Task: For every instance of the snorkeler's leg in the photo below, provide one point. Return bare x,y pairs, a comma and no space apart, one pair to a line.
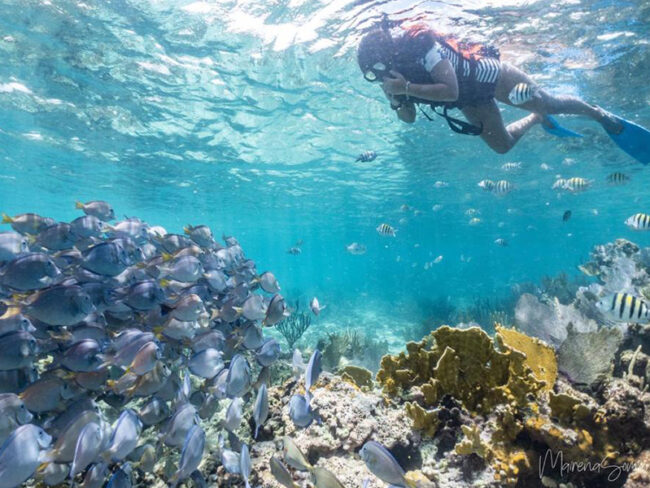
499,137
547,104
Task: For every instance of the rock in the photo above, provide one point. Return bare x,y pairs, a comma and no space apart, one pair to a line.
640,475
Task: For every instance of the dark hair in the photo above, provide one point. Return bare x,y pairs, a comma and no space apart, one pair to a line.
376,46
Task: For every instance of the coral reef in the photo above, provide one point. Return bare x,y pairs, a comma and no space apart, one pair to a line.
356,375
464,364
517,413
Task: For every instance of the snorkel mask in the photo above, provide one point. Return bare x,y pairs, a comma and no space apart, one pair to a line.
376,53
377,72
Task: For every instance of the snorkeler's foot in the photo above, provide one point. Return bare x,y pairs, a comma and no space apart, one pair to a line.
609,121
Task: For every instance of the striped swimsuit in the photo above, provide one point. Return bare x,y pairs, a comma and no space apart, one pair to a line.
477,73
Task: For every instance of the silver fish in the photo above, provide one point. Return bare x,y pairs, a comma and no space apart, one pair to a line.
27,223
106,258
201,234
141,296
82,356
87,449
21,454
269,282
28,272
126,433
145,359
189,308
234,414
260,408
276,311
206,363
191,455
315,307
59,305
238,381
313,371
179,425
300,411
254,308
245,464
17,350
281,473
11,245
86,226
154,412
230,461
12,414
294,456
383,465
216,280
95,476
97,208
57,237
145,456
324,478
45,395
178,330
185,268
211,339
268,353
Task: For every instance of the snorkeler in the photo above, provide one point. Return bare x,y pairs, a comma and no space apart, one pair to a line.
423,67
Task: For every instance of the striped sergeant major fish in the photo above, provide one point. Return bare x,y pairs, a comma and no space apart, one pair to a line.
386,230
487,185
511,166
624,307
617,179
502,187
638,221
576,184
523,93
366,156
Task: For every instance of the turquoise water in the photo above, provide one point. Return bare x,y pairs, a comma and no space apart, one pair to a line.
248,116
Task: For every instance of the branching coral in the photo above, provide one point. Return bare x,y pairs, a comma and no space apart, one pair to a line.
464,364
293,327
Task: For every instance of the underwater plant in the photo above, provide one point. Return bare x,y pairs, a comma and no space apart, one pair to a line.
293,327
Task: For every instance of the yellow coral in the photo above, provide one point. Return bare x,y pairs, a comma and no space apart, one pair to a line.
356,375
424,420
462,363
540,357
472,443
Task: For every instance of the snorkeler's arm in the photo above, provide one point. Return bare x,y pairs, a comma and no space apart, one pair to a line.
444,88
406,112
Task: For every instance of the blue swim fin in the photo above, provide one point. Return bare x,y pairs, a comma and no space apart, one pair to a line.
558,130
634,140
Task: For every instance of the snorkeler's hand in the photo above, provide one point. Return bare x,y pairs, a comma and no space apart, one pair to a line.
395,85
